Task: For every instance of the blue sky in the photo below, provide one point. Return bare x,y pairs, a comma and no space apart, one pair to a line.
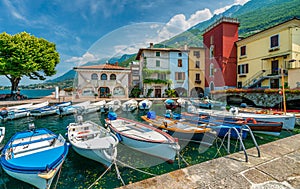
82,28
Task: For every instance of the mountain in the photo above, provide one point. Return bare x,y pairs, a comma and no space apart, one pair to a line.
124,60
254,16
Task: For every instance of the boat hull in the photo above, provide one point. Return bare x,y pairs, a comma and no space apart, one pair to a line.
167,152
32,178
98,155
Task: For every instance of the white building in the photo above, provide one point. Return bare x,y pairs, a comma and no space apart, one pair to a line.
163,68
104,80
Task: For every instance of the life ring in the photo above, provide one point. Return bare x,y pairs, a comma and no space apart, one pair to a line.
250,119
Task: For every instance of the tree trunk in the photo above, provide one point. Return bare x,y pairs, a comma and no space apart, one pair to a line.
14,83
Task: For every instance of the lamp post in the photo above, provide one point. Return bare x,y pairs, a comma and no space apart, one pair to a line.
283,90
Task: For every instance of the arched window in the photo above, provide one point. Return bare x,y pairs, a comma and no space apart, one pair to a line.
118,91
103,77
112,77
94,76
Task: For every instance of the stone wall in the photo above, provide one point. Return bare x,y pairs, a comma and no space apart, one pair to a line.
260,99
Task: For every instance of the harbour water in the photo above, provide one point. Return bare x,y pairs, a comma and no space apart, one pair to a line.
32,93
79,172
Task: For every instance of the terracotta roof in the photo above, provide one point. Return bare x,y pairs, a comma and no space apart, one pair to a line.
103,67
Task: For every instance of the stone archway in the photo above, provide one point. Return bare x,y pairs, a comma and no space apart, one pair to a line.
197,92
181,92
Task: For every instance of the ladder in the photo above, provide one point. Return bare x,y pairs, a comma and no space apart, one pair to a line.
244,128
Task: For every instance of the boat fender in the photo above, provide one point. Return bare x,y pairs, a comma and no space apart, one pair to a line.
251,119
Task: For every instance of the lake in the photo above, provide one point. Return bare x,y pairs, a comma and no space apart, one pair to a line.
32,93
80,172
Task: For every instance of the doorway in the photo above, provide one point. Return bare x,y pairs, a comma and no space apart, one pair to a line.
103,92
157,93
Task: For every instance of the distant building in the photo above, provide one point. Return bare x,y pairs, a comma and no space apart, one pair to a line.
103,80
164,68
220,57
264,56
196,71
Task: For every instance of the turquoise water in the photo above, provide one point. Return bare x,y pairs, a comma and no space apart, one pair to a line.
79,172
32,93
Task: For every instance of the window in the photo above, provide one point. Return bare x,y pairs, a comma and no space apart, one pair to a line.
243,51
243,69
179,76
180,54
103,77
211,69
197,54
179,62
157,63
112,77
197,78
161,76
197,64
94,76
211,52
118,91
157,53
275,41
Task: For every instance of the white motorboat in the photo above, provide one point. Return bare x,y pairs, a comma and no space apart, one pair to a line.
144,138
287,119
129,105
145,104
93,141
113,105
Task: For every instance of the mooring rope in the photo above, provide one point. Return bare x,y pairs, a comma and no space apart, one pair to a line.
58,174
100,176
135,168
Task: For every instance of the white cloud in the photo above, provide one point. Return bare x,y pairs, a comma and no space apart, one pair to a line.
87,57
13,10
236,2
179,23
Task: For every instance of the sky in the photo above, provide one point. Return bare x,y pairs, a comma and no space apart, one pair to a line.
87,30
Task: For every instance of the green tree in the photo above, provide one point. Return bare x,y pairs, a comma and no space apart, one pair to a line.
23,54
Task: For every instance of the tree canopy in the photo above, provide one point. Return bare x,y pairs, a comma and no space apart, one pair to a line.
23,54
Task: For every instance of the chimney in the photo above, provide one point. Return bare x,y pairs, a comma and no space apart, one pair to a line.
117,63
151,45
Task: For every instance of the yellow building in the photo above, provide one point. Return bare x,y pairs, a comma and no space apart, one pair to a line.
196,71
267,55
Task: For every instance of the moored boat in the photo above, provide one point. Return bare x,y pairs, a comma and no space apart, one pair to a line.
144,138
2,134
34,156
182,130
264,127
170,104
113,105
129,105
48,110
92,141
145,104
